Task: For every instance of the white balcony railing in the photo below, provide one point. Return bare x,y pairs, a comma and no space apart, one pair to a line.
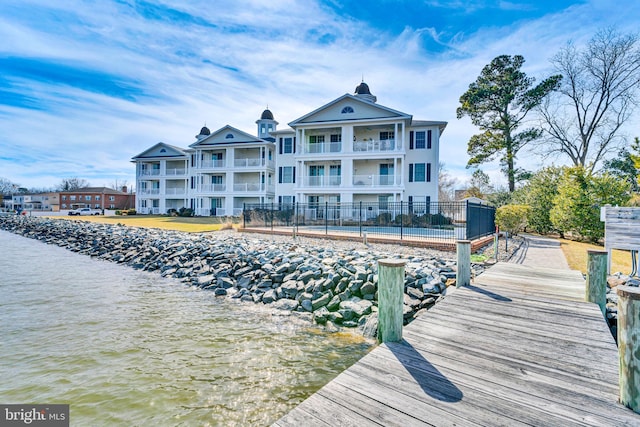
373,180
374,146
175,191
150,172
212,188
323,181
176,171
247,187
149,191
247,163
213,164
323,147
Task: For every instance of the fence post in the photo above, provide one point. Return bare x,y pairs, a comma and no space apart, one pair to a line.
360,218
296,219
401,220
629,345
390,299
364,238
463,274
244,215
326,218
596,289
271,216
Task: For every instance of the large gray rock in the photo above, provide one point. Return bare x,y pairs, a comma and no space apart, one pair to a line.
285,304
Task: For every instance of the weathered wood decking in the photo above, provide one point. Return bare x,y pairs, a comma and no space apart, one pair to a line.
518,347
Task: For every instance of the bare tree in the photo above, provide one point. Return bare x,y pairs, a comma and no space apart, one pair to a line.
70,184
7,187
118,184
583,118
446,184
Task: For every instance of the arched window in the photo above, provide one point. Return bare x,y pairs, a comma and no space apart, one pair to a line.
229,136
163,151
347,110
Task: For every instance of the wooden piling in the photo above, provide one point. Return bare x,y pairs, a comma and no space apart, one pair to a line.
596,289
463,274
390,299
629,345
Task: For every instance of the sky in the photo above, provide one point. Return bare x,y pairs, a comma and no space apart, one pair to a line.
87,85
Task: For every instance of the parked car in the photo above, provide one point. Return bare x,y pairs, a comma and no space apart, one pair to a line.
85,211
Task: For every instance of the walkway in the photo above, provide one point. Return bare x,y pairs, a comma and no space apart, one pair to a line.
538,251
518,347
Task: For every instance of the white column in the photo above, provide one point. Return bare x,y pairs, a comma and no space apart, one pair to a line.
347,139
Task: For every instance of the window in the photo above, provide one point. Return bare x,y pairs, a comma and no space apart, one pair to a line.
316,139
286,200
347,110
87,198
337,137
97,205
216,179
64,205
163,151
286,174
97,197
383,202
112,198
286,145
385,135
64,198
112,206
420,140
72,198
417,172
229,136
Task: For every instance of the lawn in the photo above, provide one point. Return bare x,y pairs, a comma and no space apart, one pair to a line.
576,255
188,224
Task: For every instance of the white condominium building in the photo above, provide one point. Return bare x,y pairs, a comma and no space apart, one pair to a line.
350,150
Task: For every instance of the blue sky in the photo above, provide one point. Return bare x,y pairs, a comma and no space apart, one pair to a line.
86,85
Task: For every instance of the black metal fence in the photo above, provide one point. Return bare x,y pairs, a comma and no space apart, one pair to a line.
440,221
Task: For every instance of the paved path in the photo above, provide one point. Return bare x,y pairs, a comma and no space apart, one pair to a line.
539,251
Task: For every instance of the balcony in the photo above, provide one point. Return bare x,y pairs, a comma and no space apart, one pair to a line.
322,181
373,146
212,188
213,164
175,191
149,191
150,172
373,180
176,171
253,163
323,147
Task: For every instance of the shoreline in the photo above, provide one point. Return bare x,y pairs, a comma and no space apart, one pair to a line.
331,283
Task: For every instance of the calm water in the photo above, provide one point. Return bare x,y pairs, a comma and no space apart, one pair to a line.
124,347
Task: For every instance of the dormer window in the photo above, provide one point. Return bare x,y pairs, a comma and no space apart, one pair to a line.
347,110
229,136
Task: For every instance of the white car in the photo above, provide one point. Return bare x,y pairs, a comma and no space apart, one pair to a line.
84,211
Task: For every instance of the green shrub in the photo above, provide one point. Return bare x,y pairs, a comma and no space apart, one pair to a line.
131,212
185,212
512,218
118,212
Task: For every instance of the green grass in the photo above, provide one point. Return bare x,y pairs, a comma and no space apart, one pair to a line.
478,258
187,224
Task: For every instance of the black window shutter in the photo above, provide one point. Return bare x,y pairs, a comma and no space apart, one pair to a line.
410,172
294,174
429,139
428,199
280,152
279,200
280,175
294,144
428,172
411,140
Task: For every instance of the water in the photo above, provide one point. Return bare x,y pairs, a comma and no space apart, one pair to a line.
125,347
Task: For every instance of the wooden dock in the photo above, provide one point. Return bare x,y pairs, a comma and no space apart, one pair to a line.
517,347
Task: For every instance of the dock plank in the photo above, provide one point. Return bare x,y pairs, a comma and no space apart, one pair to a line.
518,347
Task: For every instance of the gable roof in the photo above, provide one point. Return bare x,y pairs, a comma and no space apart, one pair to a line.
361,109
160,150
228,135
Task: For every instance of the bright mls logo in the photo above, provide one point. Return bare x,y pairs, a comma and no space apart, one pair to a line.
34,415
